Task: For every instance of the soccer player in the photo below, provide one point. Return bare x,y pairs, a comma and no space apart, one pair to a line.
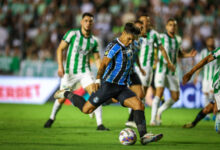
216,80
81,45
208,72
115,74
135,84
149,41
205,111
165,77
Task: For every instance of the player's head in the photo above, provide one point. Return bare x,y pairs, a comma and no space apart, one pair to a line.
87,21
210,42
138,24
129,33
146,21
171,26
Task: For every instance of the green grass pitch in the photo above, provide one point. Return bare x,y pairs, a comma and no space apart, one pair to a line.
21,128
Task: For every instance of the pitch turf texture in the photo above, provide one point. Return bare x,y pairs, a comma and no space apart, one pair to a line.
21,127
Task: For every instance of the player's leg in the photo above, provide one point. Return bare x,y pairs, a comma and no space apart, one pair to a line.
207,110
66,82
217,120
139,117
167,104
160,80
136,87
89,85
128,99
173,85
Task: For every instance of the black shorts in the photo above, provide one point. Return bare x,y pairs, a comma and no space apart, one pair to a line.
110,90
135,80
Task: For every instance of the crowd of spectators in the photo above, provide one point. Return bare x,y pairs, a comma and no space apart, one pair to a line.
32,29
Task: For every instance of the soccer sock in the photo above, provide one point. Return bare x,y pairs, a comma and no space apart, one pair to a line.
199,117
154,108
98,115
131,115
55,109
167,104
76,100
139,118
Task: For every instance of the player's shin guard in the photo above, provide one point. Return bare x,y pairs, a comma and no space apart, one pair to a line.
165,106
56,107
76,100
139,118
98,115
199,117
154,108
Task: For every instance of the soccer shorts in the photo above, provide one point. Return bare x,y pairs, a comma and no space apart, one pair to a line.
135,80
147,79
108,91
169,81
73,81
207,86
217,99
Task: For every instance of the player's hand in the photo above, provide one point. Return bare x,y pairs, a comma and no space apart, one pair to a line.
60,72
142,72
186,77
193,53
171,67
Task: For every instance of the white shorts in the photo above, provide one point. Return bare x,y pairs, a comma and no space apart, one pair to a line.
207,86
169,81
73,81
147,79
217,99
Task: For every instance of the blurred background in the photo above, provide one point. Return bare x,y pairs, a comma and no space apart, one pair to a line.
32,29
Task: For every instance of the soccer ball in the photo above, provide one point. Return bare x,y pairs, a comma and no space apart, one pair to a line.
127,136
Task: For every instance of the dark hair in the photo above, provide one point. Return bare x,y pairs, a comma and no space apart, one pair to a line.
87,14
170,19
130,28
144,15
138,21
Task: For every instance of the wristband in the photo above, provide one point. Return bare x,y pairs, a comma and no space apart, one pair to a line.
98,81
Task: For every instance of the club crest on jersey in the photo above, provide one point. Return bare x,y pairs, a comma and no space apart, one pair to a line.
96,99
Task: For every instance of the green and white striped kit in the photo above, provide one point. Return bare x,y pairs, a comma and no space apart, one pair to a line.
79,51
216,78
148,44
172,47
208,71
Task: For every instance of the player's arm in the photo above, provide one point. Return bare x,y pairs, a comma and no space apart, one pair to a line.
139,66
62,46
164,53
97,59
101,70
183,54
203,62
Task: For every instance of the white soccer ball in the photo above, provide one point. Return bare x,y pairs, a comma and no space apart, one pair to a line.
127,136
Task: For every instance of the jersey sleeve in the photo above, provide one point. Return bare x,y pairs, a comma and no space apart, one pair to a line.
67,37
111,50
216,53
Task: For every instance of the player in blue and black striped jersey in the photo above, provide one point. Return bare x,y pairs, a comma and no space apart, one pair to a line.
114,72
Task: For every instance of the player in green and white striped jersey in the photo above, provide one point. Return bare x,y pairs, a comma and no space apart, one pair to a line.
164,76
148,42
81,45
216,80
207,72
